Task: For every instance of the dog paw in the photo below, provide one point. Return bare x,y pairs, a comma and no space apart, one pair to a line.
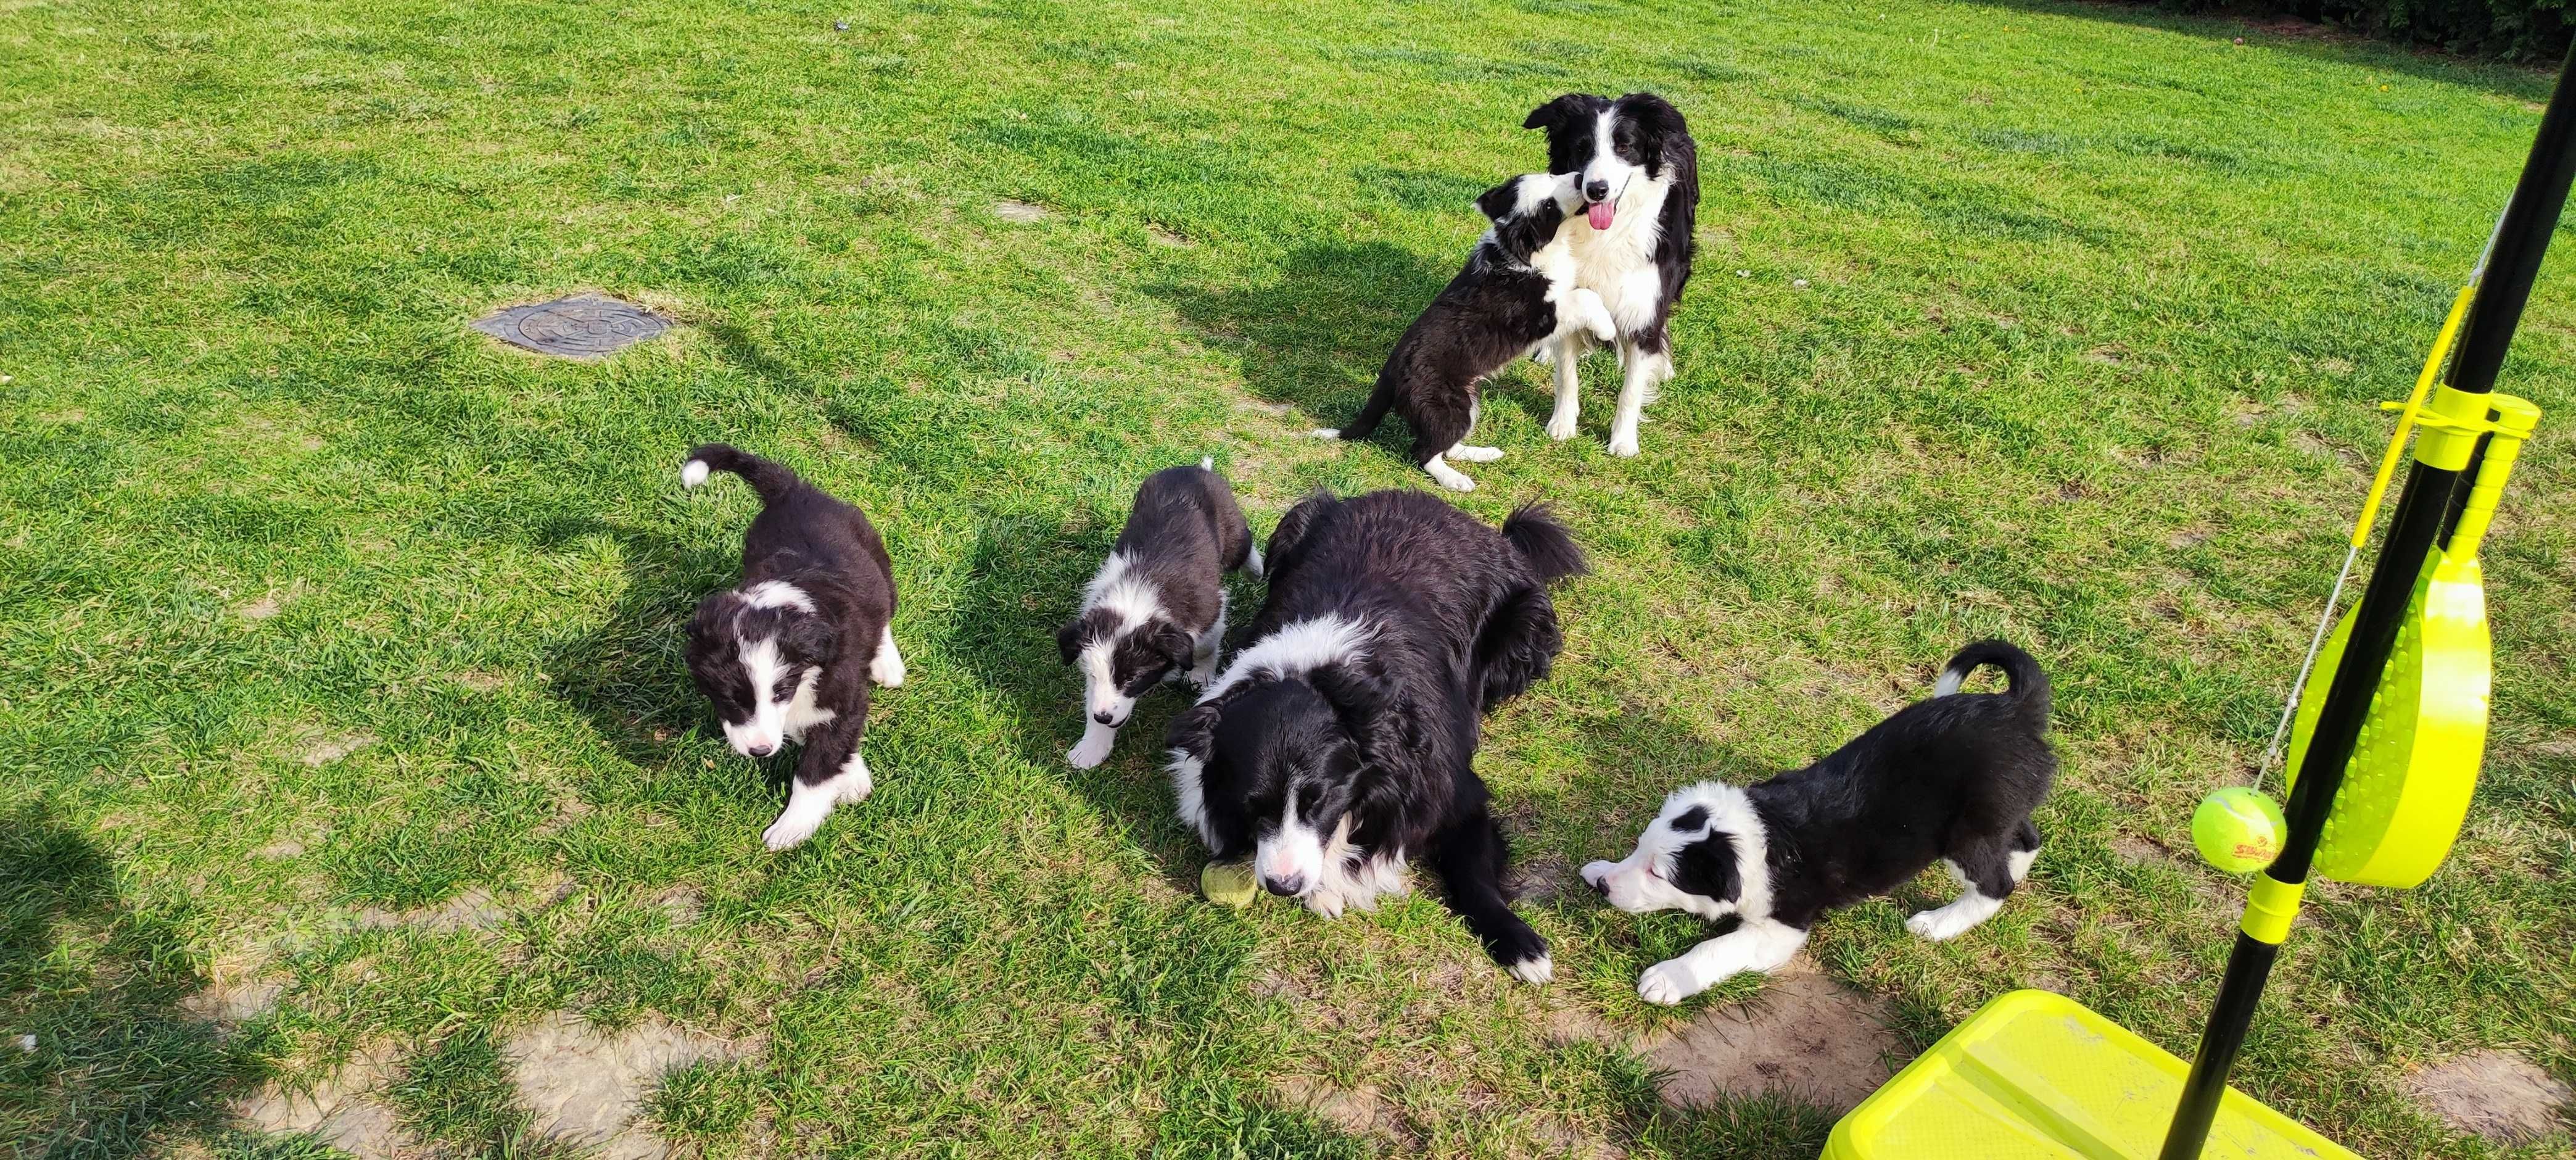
1666,983
1937,925
1537,971
1092,750
1204,675
1325,433
887,673
1449,477
1544,356
1623,447
1476,454
1326,904
1560,427
791,829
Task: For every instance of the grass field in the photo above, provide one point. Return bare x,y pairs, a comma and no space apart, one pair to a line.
339,652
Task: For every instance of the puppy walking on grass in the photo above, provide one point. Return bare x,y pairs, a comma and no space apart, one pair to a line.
787,655
1156,608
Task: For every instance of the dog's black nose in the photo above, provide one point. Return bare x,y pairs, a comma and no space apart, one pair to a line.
1105,717
1601,888
1596,190
1284,887
760,750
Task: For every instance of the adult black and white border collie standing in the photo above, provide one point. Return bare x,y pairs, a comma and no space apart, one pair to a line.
1342,740
1637,170
787,654
1515,296
1157,606
1951,779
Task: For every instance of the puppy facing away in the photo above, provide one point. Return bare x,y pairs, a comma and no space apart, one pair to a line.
1515,296
1637,169
1341,742
1157,605
1950,779
787,655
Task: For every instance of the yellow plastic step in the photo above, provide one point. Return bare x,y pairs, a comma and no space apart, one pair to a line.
2037,1076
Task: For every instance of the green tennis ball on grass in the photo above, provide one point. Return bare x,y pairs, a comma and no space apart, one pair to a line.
2239,829
1227,883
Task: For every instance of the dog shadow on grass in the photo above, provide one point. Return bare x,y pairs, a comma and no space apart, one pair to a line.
630,674
1313,335
116,1066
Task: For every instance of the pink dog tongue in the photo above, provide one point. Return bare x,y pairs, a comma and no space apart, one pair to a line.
1600,213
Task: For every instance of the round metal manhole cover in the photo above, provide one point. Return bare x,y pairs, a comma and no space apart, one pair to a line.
583,326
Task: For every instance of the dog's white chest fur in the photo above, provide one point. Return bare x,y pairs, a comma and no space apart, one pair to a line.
1619,263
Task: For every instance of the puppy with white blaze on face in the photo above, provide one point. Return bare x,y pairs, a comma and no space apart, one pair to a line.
787,655
1952,779
1341,741
1156,608
1636,170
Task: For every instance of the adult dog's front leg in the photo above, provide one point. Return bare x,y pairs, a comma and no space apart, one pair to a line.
1758,945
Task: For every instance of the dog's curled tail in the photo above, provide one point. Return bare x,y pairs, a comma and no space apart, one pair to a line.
1534,532
771,480
2023,681
1371,413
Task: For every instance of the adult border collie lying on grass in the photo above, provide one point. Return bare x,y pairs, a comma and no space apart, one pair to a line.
1342,740
1951,779
1515,295
1157,605
1637,170
780,655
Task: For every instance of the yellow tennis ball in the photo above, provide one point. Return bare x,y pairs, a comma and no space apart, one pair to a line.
1227,883
2239,829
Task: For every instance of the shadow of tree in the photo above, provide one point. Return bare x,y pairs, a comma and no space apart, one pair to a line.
117,1068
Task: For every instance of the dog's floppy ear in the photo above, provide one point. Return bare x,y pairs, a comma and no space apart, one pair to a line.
1194,732
1372,709
1658,124
1292,529
1556,113
1172,643
1068,639
811,637
1707,868
1499,202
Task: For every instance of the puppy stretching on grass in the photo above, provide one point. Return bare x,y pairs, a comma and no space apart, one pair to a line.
1951,779
780,654
1157,605
1516,295
1342,741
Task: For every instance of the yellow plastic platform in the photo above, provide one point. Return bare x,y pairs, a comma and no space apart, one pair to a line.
2041,1076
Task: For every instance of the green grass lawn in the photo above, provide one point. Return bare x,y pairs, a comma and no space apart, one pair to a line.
2064,323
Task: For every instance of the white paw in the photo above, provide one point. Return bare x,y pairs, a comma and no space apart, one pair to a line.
1449,477
1666,983
1094,747
1325,903
1623,447
792,828
886,672
1938,925
1604,329
1204,675
1326,432
1560,427
1544,356
1539,970
1476,454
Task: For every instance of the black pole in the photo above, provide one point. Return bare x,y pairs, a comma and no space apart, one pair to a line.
2522,238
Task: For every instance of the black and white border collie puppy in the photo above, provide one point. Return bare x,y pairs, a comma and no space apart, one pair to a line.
1951,779
1157,605
1637,169
1341,742
1515,297
779,654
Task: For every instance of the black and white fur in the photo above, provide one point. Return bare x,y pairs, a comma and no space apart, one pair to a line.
1514,297
1950,779
1156,608
1637,170
1341,741
780,655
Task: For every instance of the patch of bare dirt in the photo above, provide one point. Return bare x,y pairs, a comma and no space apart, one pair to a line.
234,1001
2498,1095
474,909
343,1110
1165,237
322,749
1805,1036
1358,1111
583,1087
1019,211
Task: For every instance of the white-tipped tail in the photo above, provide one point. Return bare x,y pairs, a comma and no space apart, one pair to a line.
1326,432
693,473
1950,681
1207,463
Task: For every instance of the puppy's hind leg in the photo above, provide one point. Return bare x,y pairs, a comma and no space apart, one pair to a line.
1758,945
1472,860
1985,870
1465,454
886,667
